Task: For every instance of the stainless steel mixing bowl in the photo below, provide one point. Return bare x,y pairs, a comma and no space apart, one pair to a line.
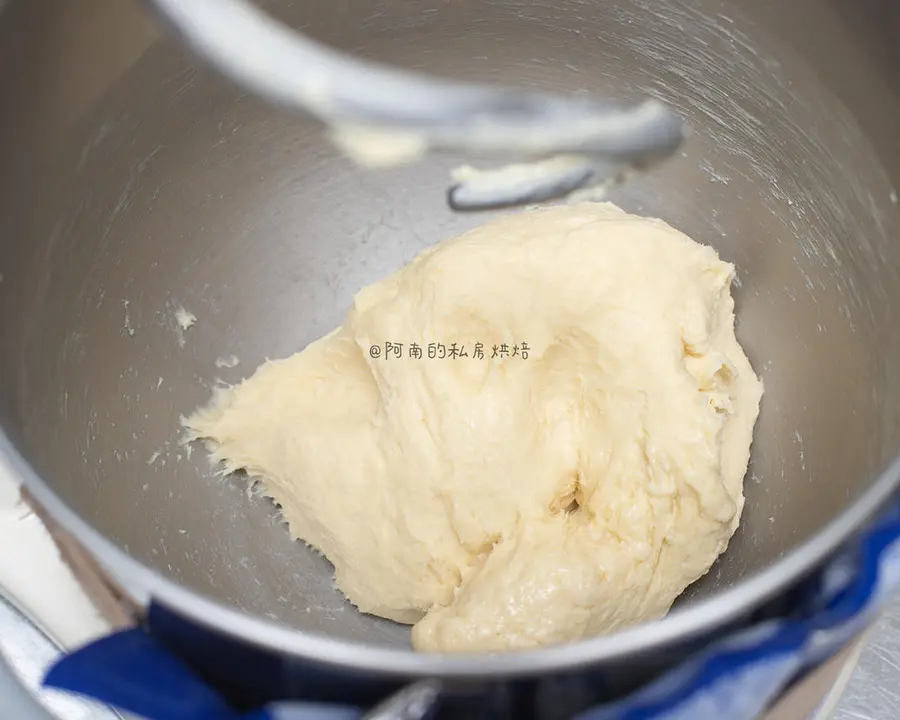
134,183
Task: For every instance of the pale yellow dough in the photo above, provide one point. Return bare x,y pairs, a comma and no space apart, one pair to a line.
501,504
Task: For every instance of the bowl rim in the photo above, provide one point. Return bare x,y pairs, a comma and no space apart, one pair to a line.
701,618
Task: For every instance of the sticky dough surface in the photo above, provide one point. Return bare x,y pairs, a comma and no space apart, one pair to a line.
502,503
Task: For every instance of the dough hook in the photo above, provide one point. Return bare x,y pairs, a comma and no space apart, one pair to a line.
380,115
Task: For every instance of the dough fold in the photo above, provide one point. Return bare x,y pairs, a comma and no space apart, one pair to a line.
574,486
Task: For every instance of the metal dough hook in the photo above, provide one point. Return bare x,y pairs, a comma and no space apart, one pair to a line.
380,115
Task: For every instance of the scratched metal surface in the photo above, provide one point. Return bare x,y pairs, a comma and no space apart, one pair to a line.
873,692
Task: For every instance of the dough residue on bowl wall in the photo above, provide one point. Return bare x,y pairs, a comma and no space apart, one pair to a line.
533,433
227,362
184,318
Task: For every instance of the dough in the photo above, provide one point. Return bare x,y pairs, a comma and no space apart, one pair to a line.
575,486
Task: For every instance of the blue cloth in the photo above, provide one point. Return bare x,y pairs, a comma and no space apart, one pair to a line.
737,677
131,671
